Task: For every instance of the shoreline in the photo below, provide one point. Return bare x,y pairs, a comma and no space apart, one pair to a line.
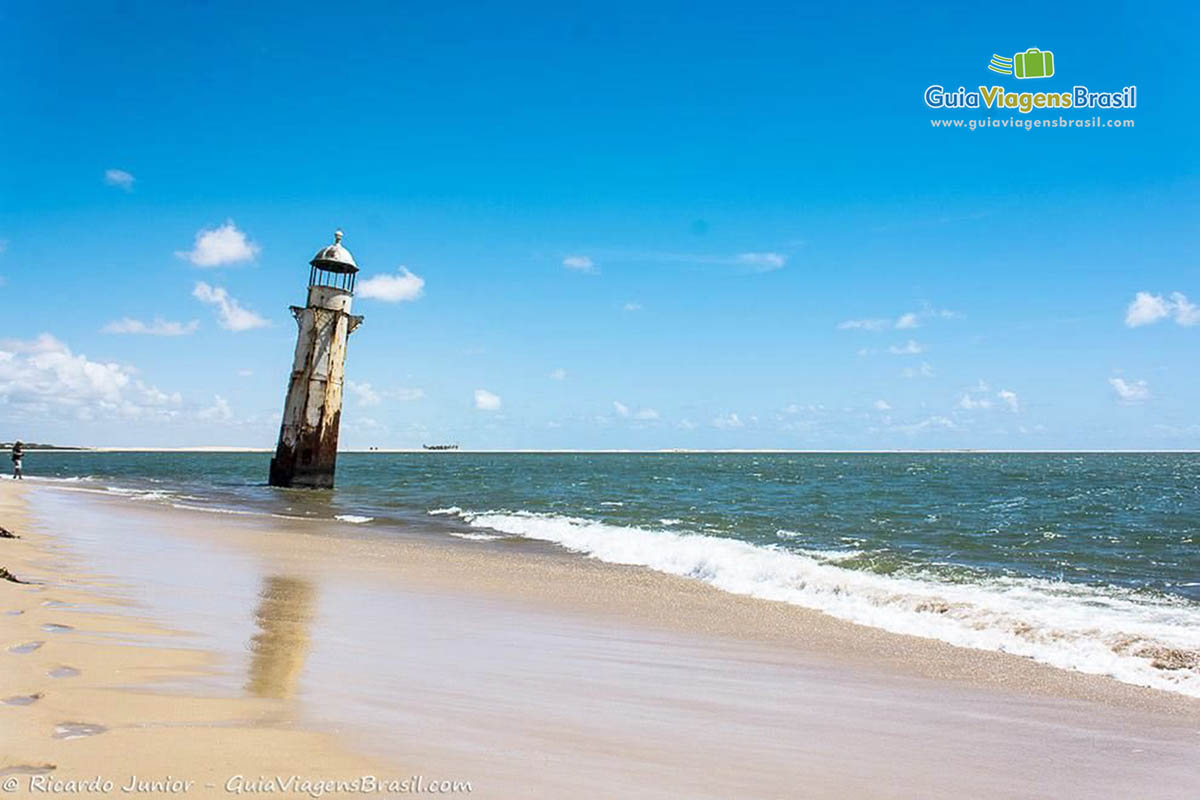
1070,625
469,625
90,682
538,574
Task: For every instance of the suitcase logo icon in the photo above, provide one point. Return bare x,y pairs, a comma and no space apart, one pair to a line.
1033,63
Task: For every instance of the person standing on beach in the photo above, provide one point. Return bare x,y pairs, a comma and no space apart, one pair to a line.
18,451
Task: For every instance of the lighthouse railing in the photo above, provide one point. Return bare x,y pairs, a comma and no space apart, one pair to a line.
343,281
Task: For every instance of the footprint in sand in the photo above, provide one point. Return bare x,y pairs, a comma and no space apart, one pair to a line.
77,730
63,672
54,627
57,604
16,612
28,769
22,699
28,647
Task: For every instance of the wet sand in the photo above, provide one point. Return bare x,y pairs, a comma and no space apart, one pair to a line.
207,645
85,686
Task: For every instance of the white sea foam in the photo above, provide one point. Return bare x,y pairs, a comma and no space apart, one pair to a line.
51,479
73,485
1108,632
139,494
452,511
355,518
832,556
826,556
477,537
215,510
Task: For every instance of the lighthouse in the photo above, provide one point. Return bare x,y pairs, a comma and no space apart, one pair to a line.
308,436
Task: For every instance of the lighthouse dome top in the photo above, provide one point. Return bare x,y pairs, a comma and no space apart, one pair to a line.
334,257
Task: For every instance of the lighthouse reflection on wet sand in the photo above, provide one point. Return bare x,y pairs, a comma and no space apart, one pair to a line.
306,455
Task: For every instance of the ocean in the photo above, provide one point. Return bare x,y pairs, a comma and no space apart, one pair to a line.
1083,561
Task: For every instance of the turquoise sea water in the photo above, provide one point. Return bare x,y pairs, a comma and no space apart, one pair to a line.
1085,561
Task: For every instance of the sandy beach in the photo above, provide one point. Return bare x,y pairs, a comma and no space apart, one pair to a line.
156,642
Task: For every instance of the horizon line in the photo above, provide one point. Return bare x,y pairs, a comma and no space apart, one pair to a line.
629,451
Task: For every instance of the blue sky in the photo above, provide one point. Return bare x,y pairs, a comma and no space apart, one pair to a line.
641,226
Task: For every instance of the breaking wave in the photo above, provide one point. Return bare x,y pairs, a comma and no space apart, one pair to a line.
1133,637
452,511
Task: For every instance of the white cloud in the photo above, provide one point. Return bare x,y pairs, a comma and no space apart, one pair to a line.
368,426
216,247
1130,392
579,264
923,371
728,421
1186,313
559,374
626,412
1147,309
904,322
219,411
970,403
755,261
486,401
363,393
42,377
796,408
1010,399
159,327
909,348
367,395
120,178
401,287
864,324
230,314
633,307
762,262
245,373
929,423
882,405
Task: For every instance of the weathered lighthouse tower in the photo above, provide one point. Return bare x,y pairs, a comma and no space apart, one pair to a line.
307,451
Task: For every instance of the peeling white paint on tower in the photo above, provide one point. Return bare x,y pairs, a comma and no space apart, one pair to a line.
306,455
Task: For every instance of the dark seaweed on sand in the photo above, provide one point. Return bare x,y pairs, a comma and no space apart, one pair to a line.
5,533
8,576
